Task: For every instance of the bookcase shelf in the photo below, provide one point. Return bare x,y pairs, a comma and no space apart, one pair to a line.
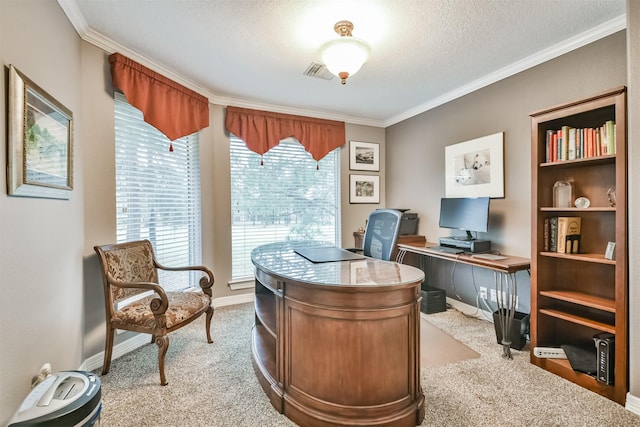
599,258
581,298
576,296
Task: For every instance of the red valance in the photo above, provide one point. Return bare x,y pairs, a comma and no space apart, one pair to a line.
166,105
263,130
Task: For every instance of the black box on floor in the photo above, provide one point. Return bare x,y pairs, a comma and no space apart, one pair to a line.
519,329
434,300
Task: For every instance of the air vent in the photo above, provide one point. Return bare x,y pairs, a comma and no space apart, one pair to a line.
318,70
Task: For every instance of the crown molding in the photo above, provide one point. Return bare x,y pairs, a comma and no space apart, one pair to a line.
93,37
606,29
110,46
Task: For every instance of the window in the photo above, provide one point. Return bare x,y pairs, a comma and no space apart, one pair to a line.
289,197
158,193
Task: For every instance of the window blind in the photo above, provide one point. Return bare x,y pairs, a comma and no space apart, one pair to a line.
158,193
289,197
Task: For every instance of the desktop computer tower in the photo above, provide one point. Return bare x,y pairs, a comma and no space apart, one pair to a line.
605,347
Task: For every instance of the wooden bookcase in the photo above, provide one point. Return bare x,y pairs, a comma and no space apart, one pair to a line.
575,296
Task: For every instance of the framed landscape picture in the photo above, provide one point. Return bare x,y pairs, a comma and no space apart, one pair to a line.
364,189
39,143
364,156
475,168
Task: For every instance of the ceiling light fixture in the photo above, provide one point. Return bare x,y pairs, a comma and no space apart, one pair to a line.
345,55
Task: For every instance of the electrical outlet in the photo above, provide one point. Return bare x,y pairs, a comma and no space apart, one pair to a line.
503,297
483,293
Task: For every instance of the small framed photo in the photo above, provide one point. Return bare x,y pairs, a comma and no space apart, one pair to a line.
610,252
39,143
364,189
364,156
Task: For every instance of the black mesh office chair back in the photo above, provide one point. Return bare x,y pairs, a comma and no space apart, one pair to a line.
381,234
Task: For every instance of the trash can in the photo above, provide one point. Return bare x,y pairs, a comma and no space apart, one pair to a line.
434,300
519,329
66,398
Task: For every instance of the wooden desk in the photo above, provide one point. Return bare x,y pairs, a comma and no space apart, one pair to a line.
504,273
338,343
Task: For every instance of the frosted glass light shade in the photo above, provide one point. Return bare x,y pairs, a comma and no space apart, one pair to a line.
344,56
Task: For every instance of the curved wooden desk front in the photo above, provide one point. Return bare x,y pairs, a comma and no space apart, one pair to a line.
338,343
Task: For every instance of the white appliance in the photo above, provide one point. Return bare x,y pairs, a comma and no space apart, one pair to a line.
66,398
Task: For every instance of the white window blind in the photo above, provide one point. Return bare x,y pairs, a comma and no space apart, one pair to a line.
158,193
289,197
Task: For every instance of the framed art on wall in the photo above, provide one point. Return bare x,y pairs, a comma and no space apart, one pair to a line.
475,168
364,156
39,143
364,189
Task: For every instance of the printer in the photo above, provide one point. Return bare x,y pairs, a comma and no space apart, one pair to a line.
408,222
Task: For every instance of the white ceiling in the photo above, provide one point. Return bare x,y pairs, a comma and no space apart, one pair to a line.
252,53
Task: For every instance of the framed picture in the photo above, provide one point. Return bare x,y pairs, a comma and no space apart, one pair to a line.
364,156
364,189
40,141
475,168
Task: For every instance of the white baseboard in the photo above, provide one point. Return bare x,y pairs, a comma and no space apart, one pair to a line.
470,310
94,362
633,404
233,300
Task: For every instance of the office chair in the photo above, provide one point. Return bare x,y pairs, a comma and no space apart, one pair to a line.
381,234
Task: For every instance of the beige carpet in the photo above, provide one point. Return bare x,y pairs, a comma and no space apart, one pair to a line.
214,385
439,348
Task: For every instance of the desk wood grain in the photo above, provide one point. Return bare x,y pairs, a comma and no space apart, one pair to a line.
510,264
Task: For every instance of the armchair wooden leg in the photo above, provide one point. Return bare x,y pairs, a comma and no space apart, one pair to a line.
163,345
208,323
108,349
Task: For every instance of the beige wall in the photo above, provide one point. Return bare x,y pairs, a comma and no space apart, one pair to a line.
41,240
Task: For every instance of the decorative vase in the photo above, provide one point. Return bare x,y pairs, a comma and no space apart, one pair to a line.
562,194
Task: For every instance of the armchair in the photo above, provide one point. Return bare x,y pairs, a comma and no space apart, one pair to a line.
131,269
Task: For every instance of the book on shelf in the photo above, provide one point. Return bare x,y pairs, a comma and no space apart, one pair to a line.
568,234
553,234
569,143
562,234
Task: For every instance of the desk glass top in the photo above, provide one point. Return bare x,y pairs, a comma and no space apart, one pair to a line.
280,259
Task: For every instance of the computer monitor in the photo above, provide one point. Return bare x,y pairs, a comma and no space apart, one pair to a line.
465,213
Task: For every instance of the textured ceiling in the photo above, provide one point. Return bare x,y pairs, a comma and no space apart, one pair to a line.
253,53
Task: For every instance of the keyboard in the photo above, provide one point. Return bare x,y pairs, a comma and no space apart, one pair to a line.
447,250
491,257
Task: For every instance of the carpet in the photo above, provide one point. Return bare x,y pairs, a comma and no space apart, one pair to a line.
439,348
214,385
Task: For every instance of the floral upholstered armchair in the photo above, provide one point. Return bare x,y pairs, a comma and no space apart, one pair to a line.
131,269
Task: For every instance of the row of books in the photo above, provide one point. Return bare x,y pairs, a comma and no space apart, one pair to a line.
570,143
562,234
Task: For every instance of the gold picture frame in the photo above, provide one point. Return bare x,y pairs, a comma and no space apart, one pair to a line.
40,141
